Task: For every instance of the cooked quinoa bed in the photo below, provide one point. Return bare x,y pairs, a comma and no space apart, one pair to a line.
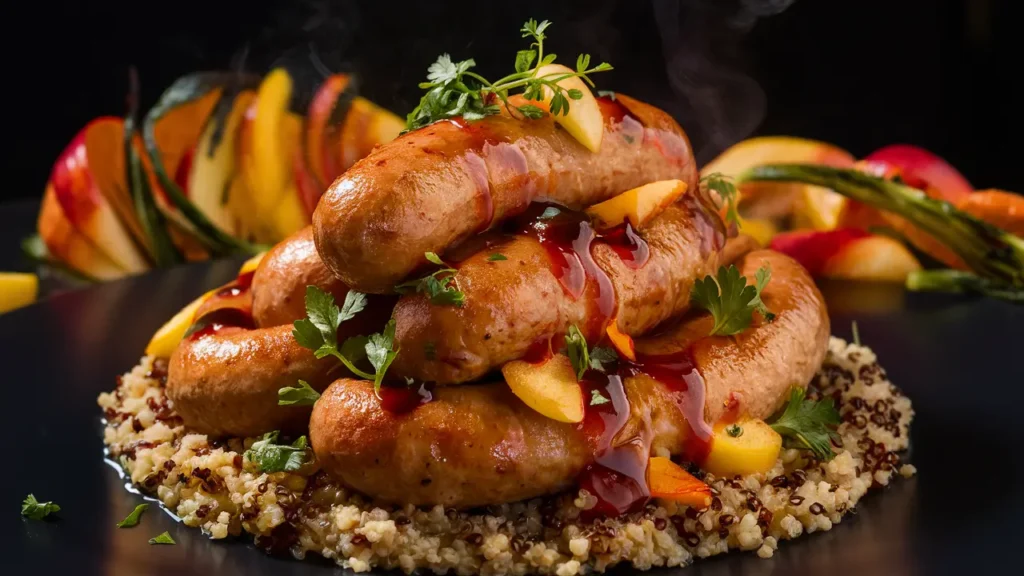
208,484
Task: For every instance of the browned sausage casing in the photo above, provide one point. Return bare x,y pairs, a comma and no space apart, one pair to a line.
226,383
511,304
479,445
430,189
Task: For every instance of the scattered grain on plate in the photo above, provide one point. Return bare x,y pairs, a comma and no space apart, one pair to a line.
206,485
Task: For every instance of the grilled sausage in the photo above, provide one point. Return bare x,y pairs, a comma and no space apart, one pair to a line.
225,383
480,445
430,189
510,305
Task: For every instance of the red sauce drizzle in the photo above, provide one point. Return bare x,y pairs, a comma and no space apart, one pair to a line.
403,399
630,247
618,475
228,307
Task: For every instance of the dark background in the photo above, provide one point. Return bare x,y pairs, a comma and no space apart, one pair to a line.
861,74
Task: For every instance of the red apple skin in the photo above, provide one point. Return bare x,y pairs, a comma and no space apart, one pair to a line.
813,248
922,169
73,185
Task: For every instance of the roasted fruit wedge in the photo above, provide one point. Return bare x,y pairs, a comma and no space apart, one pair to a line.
66,244
848,253
89,164
668,481
549,387
17,290
809,206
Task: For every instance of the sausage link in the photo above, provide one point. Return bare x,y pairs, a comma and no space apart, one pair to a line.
479,445
512,304
432,188
226,383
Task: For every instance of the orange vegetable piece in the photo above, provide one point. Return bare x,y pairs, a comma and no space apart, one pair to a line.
1002,209
670,482
622,342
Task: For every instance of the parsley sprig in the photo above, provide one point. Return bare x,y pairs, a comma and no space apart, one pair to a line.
319,333
36,510
731,300
726,190
269,456
301,395
584,358
453,89
440,286
808,424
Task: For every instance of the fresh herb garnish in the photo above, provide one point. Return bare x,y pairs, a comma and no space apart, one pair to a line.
576,347
734,430
856,333
301,395
319,333
496,257
726,190
808,424
453,89
596,398
133,518
164,538
269,456
441,286
36,510
600,356
731,300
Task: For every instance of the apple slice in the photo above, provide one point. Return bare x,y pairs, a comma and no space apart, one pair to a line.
848,253
668,481
212,167
584,119
17,290
638,205
327,99
550,387
872,259
924,170
76,181
70,247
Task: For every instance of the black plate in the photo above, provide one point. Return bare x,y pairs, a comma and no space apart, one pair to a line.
959,360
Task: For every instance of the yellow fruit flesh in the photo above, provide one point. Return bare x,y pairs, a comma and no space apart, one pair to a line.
251,264
17,290
584,119
549,388
170,334
754,450
874,259
638,205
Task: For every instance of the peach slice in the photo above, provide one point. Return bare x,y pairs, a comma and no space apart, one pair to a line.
668,481
77,188
550,387
167,338
212,171
744,447
67,245
584,120
622,343
17,290
639,205
811,206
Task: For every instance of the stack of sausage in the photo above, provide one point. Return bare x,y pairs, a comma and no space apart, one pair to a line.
468,191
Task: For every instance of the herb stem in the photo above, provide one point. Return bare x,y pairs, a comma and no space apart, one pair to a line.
351,367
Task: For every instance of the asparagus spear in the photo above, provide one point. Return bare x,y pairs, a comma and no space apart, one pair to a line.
995,256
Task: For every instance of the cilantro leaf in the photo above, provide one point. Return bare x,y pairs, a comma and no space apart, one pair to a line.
269,456
730,300
576,346
133,518
355,302
381,353
596,398
600,356
301,395
323,313
761,279
36,510
726,191
496,257
808,424
307,335
164,538
354,348
319,330
443,70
